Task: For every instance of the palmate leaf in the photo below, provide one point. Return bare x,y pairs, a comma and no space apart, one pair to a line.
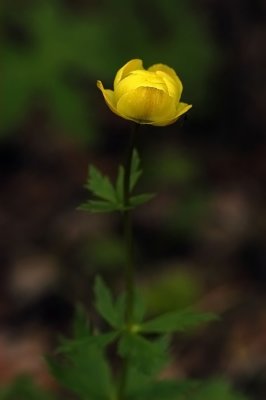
114,311
100,340
135,173
139,309
82,367
111,198
82,335
85,372
100,185
104,302
176,321
145,355
140,199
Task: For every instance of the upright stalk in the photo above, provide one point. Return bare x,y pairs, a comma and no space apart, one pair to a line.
129,258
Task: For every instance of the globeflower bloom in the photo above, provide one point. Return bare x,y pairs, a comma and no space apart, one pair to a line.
149,96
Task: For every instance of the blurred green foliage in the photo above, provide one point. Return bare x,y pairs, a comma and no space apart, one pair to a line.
175,167
53,53
24,389
173,290
104,253
182,173
217,389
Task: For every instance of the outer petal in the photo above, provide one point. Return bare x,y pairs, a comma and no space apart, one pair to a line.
139,79
181,109
109,97
173,88
130,66
169,71
145,105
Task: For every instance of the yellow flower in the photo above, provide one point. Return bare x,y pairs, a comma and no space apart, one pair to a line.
146,96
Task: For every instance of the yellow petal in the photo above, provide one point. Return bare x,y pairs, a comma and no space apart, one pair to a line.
181,109
169,71
173,89
109,97
130,66
145,105
139,78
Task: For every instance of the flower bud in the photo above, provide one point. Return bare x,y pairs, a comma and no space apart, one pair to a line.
146,96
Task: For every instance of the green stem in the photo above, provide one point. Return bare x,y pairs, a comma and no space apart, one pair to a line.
129,267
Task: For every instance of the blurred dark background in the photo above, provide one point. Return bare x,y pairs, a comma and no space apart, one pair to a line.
200,242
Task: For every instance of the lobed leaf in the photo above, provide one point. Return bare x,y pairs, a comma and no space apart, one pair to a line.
104,302
146,356
176,321
139,308
100,185
100,340
140,199
96,206
85,372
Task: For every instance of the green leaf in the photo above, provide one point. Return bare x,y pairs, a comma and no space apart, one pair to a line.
176,321
85,372
139,308
141,199
217,389
137,381
166,390
100,185
100,340
147,356
135,173
24,389
97,206
120,308
104,302
82,335
113,197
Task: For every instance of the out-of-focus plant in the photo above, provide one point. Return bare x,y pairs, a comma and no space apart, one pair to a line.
171,289
24,389
50,52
